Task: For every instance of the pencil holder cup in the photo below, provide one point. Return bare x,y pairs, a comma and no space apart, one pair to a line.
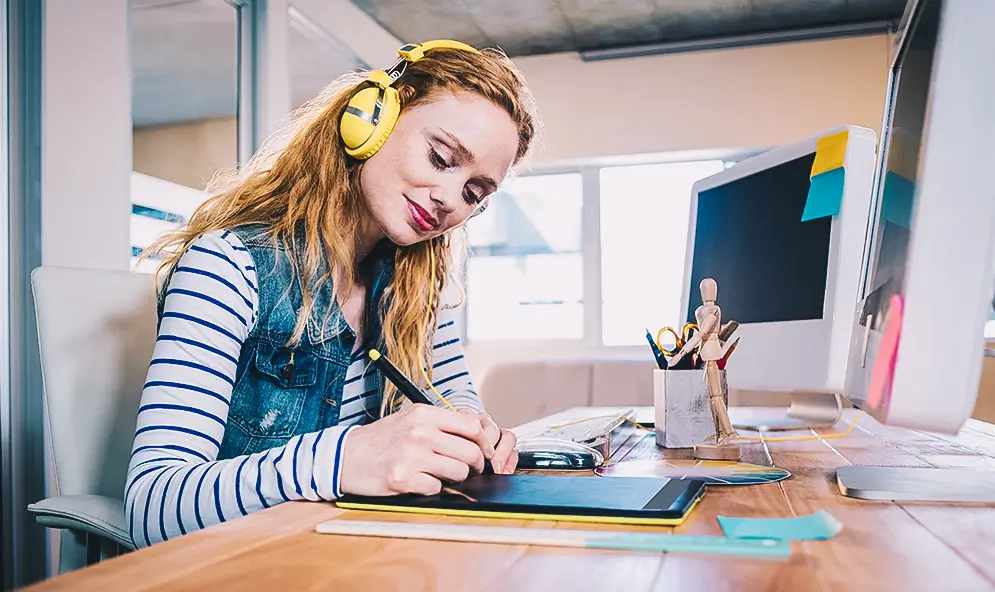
683,413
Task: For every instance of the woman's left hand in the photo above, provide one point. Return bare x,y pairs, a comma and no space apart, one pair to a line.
505,452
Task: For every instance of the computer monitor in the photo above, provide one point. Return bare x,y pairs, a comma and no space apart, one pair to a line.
789,282
933,238
919,328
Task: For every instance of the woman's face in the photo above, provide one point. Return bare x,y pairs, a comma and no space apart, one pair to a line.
442,159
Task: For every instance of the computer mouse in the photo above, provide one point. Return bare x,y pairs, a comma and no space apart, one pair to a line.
556,460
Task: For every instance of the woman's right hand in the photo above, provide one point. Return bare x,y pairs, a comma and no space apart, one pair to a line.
414,451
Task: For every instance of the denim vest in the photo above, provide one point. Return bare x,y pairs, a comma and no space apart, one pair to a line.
281,392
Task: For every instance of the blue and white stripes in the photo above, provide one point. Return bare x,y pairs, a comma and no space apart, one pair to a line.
175,484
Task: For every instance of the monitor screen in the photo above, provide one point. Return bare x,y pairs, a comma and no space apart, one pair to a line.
749,237
897,177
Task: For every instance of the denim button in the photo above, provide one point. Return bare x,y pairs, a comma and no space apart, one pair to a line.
287,371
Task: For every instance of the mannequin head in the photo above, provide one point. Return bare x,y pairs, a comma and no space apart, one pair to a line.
709,290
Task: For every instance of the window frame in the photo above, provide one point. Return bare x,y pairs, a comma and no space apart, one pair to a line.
246,64
590,172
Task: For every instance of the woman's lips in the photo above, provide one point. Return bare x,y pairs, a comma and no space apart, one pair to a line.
422,218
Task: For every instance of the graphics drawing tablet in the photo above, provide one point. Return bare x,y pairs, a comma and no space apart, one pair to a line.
649,501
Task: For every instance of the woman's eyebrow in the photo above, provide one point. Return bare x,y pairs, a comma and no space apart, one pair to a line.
453,142
491,184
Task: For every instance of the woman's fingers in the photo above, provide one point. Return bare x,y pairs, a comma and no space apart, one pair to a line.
458,424
505,454
424,484
491,429
459,449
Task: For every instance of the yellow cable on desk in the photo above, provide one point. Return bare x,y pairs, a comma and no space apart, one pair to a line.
803,438
800,438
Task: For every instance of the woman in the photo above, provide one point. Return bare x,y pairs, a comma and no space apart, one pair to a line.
336,238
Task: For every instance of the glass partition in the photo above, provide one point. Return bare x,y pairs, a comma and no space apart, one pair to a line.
185,98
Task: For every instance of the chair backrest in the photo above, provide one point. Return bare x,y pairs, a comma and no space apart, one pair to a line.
96,331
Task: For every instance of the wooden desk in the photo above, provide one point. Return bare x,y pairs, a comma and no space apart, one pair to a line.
884,546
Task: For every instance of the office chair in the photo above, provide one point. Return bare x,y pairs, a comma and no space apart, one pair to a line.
96,331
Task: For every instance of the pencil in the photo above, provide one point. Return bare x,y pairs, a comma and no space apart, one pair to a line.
725,356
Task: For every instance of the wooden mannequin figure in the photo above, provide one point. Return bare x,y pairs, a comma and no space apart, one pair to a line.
709,317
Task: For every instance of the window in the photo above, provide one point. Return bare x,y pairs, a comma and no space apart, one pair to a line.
157,206
185,104
592,254
644,228
526,271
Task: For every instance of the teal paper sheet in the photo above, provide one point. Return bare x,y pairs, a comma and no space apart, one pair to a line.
818,526
825,195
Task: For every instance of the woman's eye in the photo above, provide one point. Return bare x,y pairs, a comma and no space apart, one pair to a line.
437,160
471,197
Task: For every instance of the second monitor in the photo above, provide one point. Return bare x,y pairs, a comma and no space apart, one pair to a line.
788,276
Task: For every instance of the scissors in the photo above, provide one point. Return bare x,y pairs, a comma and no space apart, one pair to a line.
679,338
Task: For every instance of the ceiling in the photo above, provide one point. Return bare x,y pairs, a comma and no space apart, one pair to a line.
527,27
184,63
184,56
185,60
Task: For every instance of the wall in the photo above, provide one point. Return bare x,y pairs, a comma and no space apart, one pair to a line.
187,153
86,162
750,97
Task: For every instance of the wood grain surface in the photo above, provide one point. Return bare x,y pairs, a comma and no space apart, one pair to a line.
883,545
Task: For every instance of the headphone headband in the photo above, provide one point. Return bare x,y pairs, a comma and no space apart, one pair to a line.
416,51
413,52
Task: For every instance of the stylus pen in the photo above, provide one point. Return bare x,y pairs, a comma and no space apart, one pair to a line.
407,388
402,382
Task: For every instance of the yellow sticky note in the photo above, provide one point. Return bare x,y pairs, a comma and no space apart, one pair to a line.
829,153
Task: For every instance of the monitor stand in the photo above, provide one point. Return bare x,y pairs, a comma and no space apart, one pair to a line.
906,484
807,410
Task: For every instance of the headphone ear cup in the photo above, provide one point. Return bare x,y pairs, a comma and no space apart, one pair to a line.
356,126
361,137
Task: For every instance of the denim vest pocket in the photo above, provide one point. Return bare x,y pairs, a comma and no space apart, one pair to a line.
278,381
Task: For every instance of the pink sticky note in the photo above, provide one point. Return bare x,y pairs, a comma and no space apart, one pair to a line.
879,391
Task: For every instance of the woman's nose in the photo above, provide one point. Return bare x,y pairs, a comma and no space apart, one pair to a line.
439,199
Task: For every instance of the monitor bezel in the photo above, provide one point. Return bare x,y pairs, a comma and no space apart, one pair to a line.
823,366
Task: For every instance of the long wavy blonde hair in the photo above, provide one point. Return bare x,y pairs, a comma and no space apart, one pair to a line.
304,189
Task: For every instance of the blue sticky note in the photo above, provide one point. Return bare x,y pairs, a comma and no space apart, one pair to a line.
820,525
896,199
825,195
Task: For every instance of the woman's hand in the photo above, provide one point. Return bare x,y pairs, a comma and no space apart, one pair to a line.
415,450
504,441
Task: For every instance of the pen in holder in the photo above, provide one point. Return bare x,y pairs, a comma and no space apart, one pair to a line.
680,401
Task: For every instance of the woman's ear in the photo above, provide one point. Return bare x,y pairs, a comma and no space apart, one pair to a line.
405,94
476,212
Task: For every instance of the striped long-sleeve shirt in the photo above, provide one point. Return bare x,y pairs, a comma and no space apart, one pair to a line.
175,482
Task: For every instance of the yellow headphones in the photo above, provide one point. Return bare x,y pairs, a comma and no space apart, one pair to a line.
373,108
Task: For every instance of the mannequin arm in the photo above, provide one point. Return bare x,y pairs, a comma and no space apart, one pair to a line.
692,343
